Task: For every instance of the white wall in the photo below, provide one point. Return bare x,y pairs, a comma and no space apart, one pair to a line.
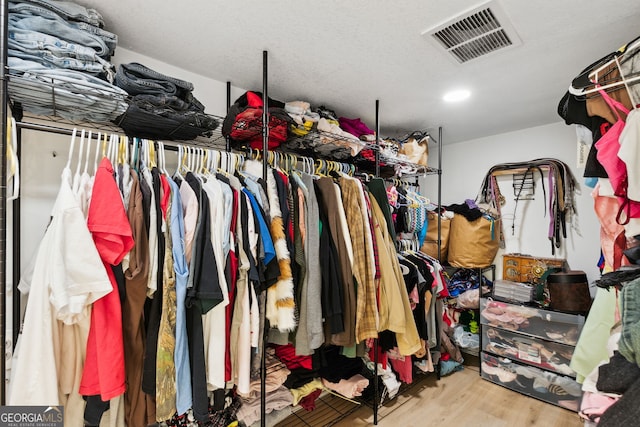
465,164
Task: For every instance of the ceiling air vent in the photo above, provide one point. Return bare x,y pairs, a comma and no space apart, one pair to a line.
475,33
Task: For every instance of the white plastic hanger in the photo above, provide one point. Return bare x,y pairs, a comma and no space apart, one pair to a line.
76,177
86,158
161,159
12,154
629,51
71,147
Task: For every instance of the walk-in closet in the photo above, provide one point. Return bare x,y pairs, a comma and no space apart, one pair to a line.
319,214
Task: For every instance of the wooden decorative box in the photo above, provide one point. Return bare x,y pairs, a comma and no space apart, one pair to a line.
526,268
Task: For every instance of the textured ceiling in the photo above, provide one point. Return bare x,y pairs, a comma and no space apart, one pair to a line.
347,54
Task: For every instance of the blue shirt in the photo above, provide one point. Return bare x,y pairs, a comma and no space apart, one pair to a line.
267,243
181,354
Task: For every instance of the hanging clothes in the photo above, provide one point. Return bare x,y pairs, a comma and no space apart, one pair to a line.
78,280
363,268
104,372
133,329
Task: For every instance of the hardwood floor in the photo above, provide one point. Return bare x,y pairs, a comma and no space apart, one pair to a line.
463,399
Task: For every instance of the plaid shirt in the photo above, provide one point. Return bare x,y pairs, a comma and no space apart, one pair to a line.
374,243
366,307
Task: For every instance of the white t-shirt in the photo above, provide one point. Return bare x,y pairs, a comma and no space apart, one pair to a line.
68,277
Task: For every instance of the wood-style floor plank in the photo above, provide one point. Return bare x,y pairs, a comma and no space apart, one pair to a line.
463,399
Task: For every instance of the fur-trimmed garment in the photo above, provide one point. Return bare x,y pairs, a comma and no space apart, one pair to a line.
281,307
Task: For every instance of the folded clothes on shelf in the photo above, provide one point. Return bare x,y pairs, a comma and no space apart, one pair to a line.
69,94
161,106
61,35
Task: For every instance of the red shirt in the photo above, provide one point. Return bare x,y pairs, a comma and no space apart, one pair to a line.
107,220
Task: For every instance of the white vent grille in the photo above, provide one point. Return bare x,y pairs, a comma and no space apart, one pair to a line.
475,33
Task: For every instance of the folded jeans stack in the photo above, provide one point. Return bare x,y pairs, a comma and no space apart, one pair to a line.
59,61
161,106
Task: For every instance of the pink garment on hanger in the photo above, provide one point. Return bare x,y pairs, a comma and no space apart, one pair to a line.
608,147
612,236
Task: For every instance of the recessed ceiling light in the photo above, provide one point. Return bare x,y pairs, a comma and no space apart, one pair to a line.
456,95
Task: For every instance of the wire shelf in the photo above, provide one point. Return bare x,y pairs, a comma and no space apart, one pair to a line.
37,96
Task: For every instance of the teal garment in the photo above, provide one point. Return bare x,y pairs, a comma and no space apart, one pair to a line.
591,348
629,344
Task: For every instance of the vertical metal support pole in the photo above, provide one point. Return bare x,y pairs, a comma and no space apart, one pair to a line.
15,238
228,145
4,98
375,341
439,193
439,220
265,149
377,150
376,397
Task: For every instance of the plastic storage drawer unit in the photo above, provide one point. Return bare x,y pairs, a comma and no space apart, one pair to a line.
549,325
552,388
544,354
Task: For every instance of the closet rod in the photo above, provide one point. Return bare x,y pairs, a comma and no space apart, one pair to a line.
4,98
168,145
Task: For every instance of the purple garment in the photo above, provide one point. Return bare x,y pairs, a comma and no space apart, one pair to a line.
355,127
471,203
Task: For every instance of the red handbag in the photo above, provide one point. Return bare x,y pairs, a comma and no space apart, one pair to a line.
608,146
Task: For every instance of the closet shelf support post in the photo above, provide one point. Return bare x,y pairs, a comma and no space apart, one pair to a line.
16,251
227,144
265,330
4,11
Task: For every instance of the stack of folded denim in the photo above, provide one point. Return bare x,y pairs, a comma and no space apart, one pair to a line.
59,61
161,107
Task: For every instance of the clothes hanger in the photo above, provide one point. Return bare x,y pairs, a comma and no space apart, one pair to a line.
626,52
134,154
177,173
204,159
95,158
240,159
153,161
111,151
162,158
86,159
123,150
219,162
585,82
12,149
71,147
76,177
